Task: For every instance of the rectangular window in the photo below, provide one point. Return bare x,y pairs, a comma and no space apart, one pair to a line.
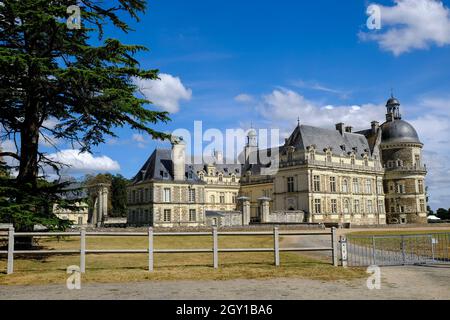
333,206
355,185
192,215
146,195
369,206
80,221
380,187
420,185
368,186
222,198
167,215
356,206
422,205
317,206
380,206
332,184
290,184
134,196
400,188
191,195
166,196
316,180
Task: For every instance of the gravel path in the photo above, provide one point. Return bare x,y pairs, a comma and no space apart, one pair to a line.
424,282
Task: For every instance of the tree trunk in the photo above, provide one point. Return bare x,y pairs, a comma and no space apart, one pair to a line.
29,144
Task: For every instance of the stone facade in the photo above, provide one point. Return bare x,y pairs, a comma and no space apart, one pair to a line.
369,177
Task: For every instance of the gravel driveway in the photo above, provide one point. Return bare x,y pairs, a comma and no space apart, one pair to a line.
416,282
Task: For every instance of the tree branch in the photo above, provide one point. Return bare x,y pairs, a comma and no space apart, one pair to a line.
10,154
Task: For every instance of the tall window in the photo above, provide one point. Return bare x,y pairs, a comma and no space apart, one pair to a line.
222,198
220,177
422,205
191,194
317,206
333,206
417,159
332,184
368,186
290,184
380,187
346,206
212,199
192,215
380,206
356,206
352,159
134,196
329,159
233,178
167,215
345,186
166,195
420,185
355,185
316,180
369,206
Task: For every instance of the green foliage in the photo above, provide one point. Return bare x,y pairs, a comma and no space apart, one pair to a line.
443,213
78,79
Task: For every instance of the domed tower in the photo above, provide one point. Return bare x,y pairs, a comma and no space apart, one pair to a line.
404,181
251,145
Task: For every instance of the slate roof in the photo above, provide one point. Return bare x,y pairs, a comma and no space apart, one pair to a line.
305,136
159,167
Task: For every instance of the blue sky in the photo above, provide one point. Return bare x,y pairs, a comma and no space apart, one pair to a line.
232,63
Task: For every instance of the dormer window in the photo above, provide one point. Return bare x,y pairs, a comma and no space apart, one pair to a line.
220,177
233,178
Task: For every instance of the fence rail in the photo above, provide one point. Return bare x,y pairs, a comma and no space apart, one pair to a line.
151,251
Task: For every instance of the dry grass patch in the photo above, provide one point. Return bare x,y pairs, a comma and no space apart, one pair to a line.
193,266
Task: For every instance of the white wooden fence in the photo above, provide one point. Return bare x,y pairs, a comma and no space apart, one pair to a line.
151,251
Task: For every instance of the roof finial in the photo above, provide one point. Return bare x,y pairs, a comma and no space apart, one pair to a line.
392,92
251,124
298,121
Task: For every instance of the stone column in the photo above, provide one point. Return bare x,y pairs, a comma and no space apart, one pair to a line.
99,208
265,209
245,209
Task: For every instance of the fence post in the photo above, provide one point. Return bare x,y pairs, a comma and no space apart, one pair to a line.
403,250
344,253
83,250
276,245
215,248
333,245
374,254
10,268
150,249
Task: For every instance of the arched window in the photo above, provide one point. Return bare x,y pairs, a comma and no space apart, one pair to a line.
233,178
220,177
346,206
345,186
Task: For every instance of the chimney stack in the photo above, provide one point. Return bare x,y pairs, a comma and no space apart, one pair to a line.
340,127
178,158
375,125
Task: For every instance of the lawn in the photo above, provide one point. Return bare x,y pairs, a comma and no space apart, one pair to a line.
192,266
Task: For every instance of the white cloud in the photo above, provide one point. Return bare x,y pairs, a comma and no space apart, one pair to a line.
412,24
83,162
166,93
244,98
284,106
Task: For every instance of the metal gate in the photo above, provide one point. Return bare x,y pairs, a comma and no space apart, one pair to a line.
391,250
